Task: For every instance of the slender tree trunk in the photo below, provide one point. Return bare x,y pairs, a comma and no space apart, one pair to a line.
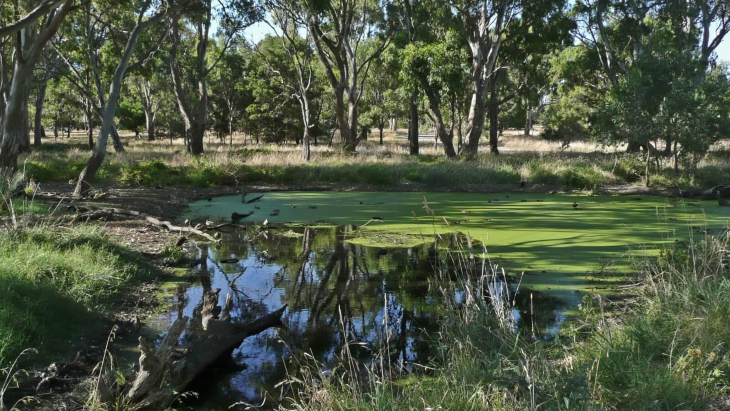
90,133
494,117
413,124
648,162
116,140
149,117
39,100
460,145
528,121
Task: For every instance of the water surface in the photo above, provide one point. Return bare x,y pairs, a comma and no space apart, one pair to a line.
361,265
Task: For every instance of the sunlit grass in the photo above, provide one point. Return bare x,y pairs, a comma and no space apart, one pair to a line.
54,282
584,165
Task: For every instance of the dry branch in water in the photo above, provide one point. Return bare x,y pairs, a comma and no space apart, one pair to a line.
168,370
93,213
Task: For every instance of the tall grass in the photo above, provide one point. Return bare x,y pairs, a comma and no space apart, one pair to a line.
666,349
53,280
149,164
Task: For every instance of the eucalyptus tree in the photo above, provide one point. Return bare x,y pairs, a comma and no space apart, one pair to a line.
274,112
617,42
383,96
229,95
194,25
485,23
145,17
522,71
61,106
287,20
88,46
338,29
439,69
40,22
412,23
40,99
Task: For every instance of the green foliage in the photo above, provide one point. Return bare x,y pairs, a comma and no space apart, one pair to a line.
131,116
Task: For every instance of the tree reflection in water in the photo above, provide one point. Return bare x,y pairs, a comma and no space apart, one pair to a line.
331,287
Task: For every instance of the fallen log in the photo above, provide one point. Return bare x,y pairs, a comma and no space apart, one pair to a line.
236,216
108,212
255,199
721,201
166,372
723,190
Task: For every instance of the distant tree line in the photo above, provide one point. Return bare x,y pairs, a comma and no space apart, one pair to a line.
642,74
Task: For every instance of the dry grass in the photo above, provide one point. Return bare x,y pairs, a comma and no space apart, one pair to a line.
582,165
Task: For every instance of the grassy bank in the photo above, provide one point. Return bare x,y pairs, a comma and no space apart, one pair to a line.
55,284
667,349
149,164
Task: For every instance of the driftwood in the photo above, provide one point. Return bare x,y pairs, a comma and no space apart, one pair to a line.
723,190
236,216
168,370
721,201
255,199
99,212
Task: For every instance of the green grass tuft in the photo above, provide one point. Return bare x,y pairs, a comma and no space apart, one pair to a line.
54,282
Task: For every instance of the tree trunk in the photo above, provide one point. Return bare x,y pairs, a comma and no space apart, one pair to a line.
165,372
382,126
413,124
230,130
196,137
150,124
528,121
475,120
306,151
493,117
15,121
29,47
39,100
90,134
352,123
648,162
442,134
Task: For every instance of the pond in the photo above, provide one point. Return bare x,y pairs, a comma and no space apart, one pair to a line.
357,262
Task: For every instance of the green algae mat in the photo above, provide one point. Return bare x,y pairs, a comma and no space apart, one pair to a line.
561,245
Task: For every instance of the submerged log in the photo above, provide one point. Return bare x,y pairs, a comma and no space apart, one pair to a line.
166,372
236,216
723,190
255,199
721,201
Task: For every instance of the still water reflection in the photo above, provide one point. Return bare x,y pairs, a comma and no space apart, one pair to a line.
333,288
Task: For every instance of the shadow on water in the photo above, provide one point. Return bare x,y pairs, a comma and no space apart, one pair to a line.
332,287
